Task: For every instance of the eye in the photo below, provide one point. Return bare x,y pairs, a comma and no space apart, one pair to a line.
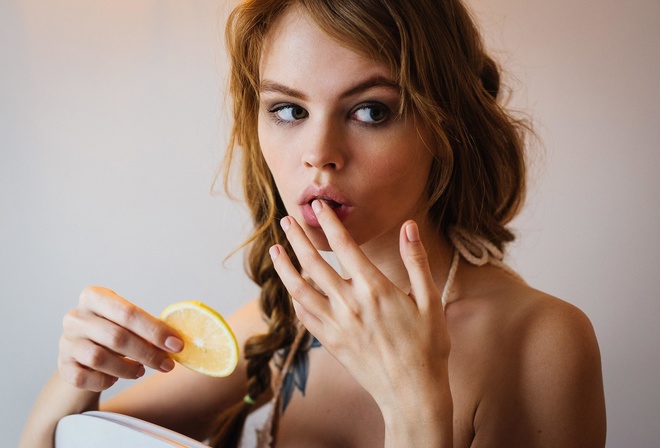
289,113
371,113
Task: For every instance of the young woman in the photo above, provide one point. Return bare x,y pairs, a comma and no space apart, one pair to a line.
371,129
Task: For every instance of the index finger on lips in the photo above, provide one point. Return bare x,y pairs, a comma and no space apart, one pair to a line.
342,243
106,304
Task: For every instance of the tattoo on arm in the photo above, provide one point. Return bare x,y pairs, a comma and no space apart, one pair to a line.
296,377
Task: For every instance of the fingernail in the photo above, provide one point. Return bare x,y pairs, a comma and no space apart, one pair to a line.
174,344
285,223
412,232
166,365
317,206
274,251
141,371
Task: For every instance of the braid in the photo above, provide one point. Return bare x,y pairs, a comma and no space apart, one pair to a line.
278,312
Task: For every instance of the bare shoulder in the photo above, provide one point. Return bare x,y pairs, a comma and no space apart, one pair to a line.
549,390
554,329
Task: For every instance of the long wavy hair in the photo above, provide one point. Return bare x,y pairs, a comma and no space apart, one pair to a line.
436,54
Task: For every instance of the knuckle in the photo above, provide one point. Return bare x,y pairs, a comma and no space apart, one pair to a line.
126,313
69,320
88,294
299,290
418,258
374,288
155,331
308,258
94,357
151,357
333,342
73,374
85,294
118,337
78,378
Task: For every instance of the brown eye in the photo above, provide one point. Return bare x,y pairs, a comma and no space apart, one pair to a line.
371,114
298,113
289,113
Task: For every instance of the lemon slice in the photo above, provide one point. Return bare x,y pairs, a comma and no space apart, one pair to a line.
210,346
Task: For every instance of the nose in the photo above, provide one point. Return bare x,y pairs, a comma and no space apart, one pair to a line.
325,148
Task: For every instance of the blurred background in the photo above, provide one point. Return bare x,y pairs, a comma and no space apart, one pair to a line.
113,123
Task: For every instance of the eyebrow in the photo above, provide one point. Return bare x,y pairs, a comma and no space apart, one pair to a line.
376,81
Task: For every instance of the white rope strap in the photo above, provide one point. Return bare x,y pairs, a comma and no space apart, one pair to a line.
477,251
450,278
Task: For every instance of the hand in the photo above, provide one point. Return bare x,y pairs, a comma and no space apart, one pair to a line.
394,343
106,338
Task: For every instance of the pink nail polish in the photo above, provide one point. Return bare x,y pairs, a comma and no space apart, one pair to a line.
140,372
317,206
285,223
412,233
274,251
174,344
167,365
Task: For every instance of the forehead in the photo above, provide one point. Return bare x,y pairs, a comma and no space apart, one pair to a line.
298,51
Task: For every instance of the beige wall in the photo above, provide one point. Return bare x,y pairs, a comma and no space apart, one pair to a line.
110,134
587,71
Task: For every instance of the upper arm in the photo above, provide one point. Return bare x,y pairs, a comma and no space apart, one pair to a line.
553,396
186,401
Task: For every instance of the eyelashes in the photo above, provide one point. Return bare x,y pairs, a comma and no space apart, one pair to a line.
365,114
288,113
373,113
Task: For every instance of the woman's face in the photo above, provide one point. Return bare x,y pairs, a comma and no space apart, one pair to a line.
329,129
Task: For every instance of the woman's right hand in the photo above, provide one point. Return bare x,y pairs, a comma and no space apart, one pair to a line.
106,338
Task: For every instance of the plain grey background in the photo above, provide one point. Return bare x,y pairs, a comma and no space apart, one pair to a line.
112,124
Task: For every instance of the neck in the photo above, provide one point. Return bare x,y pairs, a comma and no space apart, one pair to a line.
385,254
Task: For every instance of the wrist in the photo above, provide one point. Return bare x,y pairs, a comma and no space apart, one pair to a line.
420,429
425,420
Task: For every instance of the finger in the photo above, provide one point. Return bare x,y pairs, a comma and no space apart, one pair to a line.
120,341
349,254
311,261
107,304
84,378
422,287
309,320
100,359
314,303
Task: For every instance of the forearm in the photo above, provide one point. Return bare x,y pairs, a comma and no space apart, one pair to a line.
56,400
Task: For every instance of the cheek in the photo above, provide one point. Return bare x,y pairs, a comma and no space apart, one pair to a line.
278,161
276,145
400,164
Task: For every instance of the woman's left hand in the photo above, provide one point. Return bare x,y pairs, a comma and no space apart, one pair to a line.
394,343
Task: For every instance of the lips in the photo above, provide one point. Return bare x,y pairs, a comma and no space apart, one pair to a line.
330,195
330,202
